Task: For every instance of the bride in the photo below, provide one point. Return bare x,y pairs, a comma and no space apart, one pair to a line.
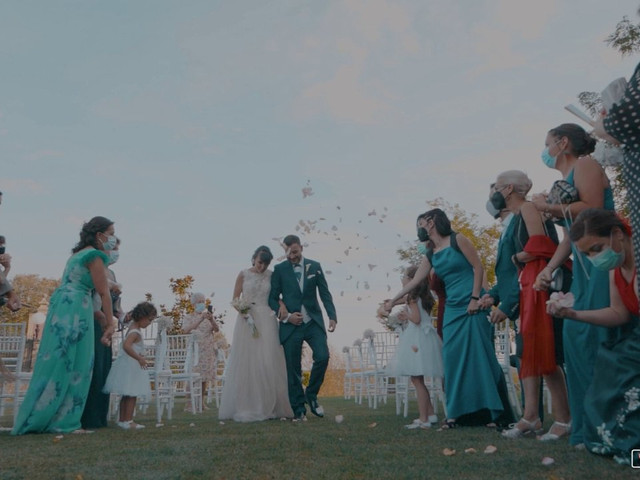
256,377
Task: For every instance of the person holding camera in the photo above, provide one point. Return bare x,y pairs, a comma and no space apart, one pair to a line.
203,322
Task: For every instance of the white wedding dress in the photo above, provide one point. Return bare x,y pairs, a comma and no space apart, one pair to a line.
256,376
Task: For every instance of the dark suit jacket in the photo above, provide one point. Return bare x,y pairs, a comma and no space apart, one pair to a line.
506,291
284,284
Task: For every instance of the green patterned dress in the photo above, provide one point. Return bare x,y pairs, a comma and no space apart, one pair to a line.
58,389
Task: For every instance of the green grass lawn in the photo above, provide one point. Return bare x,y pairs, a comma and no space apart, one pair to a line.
368,444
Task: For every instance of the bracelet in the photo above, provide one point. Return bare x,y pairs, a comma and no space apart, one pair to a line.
473,297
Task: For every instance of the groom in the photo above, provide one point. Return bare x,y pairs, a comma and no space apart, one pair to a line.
297,281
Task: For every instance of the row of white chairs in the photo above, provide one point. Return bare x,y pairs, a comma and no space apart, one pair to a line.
369,372
171,360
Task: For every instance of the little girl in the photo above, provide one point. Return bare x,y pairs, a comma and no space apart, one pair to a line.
419,351
128,376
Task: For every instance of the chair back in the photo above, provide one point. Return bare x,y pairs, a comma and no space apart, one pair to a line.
181,353
12,344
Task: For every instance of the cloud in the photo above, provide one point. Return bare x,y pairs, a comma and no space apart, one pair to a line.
45,154
21,185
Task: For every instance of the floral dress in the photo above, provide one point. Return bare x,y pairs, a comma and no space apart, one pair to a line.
207,353
60,383
612,403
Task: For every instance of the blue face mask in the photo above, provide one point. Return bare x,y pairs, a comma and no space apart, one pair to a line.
422,249
607,259
110,244
114,255
200,307
547,159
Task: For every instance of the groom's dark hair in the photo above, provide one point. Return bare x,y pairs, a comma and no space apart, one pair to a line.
291,239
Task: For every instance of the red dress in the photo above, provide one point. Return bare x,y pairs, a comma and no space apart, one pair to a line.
536,325
627,291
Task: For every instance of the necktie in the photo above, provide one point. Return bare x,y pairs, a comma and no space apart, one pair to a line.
297,268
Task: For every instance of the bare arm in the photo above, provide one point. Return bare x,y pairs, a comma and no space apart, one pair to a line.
471,254
413,311
614,315
129,350
533,223
421,274
98,273
237,289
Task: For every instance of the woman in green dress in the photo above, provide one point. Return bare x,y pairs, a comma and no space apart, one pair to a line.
567,149
612,406
60,383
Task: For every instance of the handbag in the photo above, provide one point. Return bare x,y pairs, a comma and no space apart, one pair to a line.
562,192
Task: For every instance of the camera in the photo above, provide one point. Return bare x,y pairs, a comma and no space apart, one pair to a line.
2,250
210,308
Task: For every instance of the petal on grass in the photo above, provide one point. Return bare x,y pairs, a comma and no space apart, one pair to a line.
448,452
491,449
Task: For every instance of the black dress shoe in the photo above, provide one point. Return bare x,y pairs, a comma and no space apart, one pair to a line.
315,408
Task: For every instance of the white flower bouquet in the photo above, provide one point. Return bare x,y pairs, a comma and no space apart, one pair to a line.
392,323
243,307
368,334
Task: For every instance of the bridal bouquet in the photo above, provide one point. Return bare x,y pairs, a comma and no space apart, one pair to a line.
391,323
243,306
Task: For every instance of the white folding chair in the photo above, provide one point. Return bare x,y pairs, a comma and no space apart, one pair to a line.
502,342
375,377
348,374
221,374
180,357
12,346
358,367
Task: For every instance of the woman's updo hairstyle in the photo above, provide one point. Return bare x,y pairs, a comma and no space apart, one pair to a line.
440,220
581,142
598,222
520,181
263,254
89,232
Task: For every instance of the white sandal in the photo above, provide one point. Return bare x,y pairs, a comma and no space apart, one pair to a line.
515,432
552,437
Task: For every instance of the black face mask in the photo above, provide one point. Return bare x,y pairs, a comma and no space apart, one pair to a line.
423,236
498,201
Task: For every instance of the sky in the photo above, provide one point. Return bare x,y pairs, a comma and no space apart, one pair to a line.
204,129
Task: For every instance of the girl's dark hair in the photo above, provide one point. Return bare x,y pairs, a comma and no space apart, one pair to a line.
442,223
596,221
581,142
263,253
89,232
143,310
422,291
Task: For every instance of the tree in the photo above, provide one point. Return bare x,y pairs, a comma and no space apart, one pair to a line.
32,290
182,289
484,239
626,40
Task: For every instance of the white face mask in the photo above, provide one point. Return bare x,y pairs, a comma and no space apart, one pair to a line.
110,243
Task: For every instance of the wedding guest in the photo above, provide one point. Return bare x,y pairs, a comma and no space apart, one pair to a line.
567,149
419,351
205,326
474,382
533,243
96,408
611,413
128,376
255,388
58,389
621,125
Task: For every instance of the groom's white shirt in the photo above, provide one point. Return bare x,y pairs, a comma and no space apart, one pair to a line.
305,316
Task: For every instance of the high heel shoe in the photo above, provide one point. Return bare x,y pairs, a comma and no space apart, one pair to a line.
552,437
532,427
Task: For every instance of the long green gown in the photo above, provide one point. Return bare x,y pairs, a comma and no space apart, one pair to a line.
58,389
473,378
590,288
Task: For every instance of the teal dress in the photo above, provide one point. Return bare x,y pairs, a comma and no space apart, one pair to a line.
58,389
473,378
612,404
590,288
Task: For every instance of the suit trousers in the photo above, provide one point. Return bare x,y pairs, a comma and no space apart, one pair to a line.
316,338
